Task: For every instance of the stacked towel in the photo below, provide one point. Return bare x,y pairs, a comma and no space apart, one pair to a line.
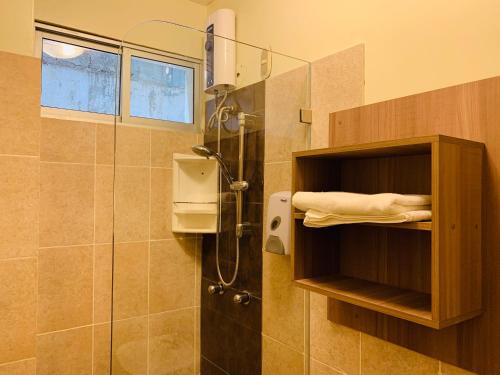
333,208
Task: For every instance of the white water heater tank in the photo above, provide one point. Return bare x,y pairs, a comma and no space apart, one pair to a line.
220,52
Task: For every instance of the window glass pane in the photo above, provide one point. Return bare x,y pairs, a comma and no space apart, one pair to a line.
161,91
78,78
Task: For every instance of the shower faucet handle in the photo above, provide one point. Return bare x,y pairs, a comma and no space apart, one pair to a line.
242,298
216,289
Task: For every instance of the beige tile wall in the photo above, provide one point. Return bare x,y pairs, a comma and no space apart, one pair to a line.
19,205
283,305
56,227
297,337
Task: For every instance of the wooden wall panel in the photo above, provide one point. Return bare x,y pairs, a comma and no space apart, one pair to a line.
470,111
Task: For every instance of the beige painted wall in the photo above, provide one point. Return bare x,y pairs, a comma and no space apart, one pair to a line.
411,46
111,18
16,26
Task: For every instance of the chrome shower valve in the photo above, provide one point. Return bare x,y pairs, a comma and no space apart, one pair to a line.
242,298
216,289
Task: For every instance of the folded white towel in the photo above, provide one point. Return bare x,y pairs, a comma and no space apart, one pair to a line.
354,204
317,219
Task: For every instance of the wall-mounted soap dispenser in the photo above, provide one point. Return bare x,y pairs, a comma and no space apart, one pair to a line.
278,223
194,203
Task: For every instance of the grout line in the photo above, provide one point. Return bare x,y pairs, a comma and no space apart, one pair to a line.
165,168
307,332
20,156
282,343
67,163
93,248
216,366
360,340
18,258
17,361
340,371
64,330
149,250
277,162
37,252
65,246
115,320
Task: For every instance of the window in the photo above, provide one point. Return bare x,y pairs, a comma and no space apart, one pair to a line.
78,78
79,81
159,90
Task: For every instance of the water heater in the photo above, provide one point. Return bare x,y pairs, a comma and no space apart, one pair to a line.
220,52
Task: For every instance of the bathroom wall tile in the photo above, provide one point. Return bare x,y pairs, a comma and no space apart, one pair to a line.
283,303
104,203
19,200
253,168
250,266
131,204
209,368
132,146
164,143
65,352
130,283
18,303
447,369
67,141
104,144
280,359
161,203
248,316
198,267
233,347
197,341
334,345
24,367
337,82
285,95
171,342
382,357
130,346
318,368
103,278
64,287
66,204
223,351
172,274
20,103
277,177
102,349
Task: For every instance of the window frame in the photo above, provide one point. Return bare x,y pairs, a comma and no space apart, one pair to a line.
125,54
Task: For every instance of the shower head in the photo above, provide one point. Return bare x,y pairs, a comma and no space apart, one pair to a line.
207,153
202,151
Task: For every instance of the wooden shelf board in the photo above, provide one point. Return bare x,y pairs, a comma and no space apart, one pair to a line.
417,225
400,303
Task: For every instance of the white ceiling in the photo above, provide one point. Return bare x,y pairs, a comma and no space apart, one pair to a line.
202,2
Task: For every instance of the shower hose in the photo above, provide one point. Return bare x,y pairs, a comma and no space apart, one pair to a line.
222,116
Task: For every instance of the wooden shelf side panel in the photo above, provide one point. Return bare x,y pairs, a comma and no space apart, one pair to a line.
458,268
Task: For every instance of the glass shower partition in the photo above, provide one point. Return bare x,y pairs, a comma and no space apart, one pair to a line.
162,318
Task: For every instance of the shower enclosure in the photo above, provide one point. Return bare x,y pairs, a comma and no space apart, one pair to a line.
174,307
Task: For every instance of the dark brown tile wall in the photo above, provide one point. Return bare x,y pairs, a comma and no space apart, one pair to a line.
231,333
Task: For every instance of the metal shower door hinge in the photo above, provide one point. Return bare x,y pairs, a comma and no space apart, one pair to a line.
306,116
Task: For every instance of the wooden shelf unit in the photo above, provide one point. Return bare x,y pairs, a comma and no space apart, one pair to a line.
428,273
